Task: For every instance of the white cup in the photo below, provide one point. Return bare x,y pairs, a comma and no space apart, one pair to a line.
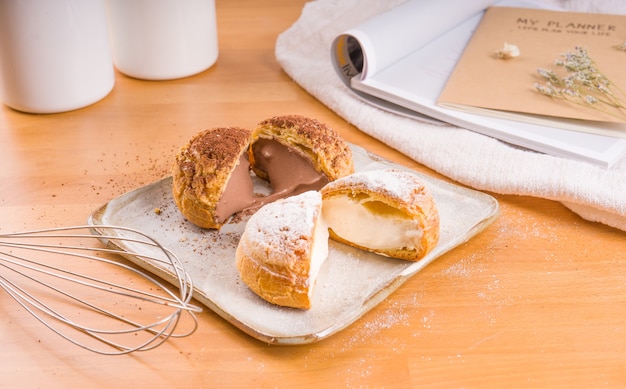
163,39
55,55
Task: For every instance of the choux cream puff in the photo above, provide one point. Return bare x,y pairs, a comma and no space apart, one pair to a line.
282,249
388,212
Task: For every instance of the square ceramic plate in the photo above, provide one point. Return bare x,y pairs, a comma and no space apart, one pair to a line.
350,283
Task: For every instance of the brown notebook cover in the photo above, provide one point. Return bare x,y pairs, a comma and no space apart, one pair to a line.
482,80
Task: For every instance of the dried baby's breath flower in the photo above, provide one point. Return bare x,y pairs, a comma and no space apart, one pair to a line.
584,84
621,46
508,51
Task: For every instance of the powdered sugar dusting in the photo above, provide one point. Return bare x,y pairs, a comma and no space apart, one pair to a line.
392,182
285,225
397,313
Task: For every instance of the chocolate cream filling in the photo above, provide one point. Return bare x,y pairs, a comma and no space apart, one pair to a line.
288,172
239,192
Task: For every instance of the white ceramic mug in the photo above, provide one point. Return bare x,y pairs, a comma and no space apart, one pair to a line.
55,55
163,39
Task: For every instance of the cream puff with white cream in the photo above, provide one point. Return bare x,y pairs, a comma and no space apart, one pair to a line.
388,212
282,250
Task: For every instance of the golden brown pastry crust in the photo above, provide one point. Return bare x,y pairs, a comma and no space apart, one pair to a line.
275,251
202,169
311,139
413,200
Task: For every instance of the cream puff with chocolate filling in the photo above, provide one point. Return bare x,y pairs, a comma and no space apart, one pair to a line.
296,154
210,176
388,212
211,173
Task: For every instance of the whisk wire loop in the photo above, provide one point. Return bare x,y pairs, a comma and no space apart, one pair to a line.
57,286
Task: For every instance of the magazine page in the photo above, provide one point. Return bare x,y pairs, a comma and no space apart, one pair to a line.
383,40
599,150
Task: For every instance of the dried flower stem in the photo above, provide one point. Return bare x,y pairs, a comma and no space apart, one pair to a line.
584,84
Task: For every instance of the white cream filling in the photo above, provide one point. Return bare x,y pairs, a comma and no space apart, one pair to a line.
355,223
319,251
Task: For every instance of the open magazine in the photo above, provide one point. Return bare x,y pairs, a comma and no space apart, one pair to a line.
565,70
401,60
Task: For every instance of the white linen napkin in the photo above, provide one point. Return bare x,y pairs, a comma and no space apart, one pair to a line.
478,161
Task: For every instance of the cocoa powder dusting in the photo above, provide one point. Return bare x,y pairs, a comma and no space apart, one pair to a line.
220,145
324,139
320,134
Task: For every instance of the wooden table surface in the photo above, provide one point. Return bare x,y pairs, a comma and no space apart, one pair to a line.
536,300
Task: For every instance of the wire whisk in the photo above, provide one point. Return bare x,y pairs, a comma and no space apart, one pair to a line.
72,280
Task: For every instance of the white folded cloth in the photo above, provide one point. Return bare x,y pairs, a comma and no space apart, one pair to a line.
596,194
